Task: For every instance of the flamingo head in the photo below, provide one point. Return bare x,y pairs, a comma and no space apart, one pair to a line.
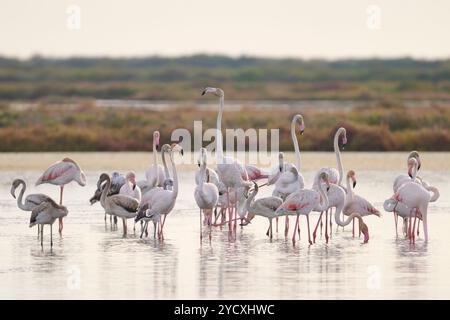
131,176
215,91
175,147
364,230
168,183
201,157
351,175
103,177
281,161
81,179
344,137
247,220
325,178
141,213
415,154
156,136
14,186
412,166
302,127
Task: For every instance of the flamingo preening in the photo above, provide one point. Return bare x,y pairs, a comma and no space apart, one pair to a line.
416,197
119,205
155,173
206,194
60,174
231,172
303,201
46,213
356,204
265,207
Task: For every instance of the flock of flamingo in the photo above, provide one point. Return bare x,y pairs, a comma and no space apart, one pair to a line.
227,194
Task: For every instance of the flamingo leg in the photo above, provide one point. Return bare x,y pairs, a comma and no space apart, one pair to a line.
235,212
309,233
142,230
410,224
276,224
295,229
201,235
155,226
319,221
60,203
396,221
353,227
51,235
286,227
331,222
42,236
418,224
414,227
229,214
39,230
326,226
270,226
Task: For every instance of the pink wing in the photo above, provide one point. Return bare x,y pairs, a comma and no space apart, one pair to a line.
255,173
57,170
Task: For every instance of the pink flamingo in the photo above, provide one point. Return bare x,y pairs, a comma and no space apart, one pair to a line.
303,201
415,196
60,174
231,172
355,203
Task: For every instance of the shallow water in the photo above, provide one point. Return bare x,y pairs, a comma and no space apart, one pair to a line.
91,261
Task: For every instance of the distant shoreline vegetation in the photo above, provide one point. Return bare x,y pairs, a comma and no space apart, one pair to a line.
85,127
50,104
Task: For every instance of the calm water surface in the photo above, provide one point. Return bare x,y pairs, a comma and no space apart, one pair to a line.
91,261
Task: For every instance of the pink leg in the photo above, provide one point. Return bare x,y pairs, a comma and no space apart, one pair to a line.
309,234
317,225
326,226
295,229
201,233
60,220
353,227
235,212
410,225
331,222
414,227
286,227
418,225
230,215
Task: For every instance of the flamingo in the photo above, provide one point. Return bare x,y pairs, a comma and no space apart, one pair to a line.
145,215
155,172
206,193
415,196
335,175
161,201
355,203
130,188
231,172
46,213
60,174
265,207
119,205
291,179
303,201
402,178
31,201
117,181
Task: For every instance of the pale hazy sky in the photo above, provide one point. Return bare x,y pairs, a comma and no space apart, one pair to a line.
295,28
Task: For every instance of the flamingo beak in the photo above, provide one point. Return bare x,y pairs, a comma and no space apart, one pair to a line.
281,168
409,173
354,182
204,92
182,152
301,131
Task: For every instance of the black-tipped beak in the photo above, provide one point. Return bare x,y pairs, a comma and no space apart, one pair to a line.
354,184
410,175
134,186
14,196
301,132
418,167
157,147
328,188
204,92
281,169
182,152
198,163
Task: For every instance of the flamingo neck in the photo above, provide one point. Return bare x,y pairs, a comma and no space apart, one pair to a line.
175,177
105,191
323,204
219,144
163,157
338,155
249,201
349,190
20,204
295,141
